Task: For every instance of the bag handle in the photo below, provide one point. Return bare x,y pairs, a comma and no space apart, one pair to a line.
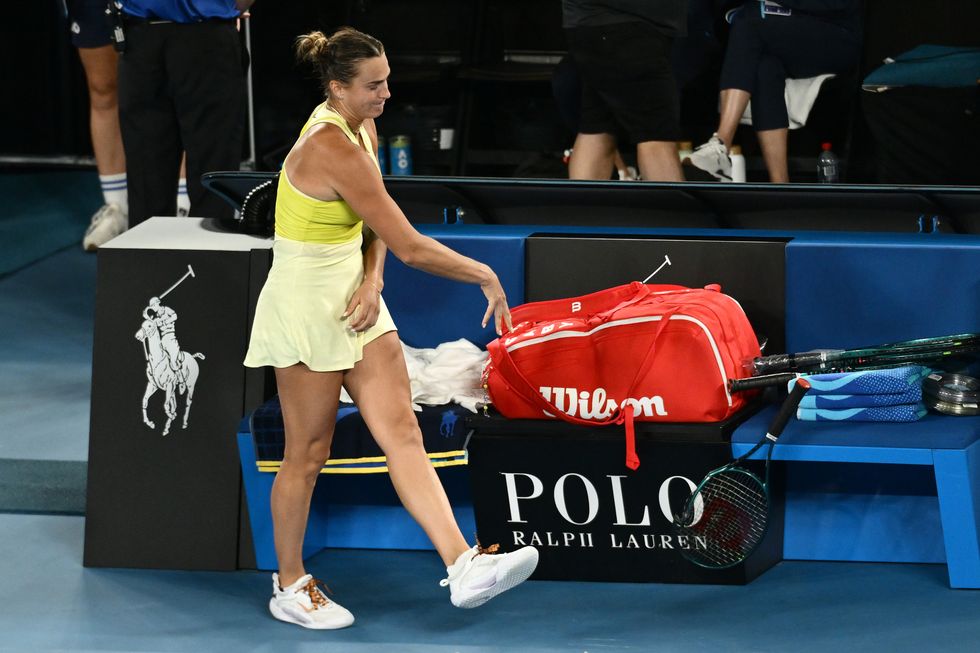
504,362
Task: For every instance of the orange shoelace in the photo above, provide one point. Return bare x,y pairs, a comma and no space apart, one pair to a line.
489,550
316,595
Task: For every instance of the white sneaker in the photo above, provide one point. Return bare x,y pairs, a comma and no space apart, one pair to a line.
107,223
303,603
476,577
712,157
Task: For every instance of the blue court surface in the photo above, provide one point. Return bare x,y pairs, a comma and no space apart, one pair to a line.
52,603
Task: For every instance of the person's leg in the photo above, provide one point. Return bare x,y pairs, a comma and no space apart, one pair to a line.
379,386
637,85
774,151
731,107
658,161
592,157
595,146
183,200
150,132
737,83
210,102
101,76
309,411
102,79
770,118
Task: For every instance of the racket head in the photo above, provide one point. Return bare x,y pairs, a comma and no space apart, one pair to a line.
726,518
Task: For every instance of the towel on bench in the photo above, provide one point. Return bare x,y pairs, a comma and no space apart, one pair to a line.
900,413
893,380
835,402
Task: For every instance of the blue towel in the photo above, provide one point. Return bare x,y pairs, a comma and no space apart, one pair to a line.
900,413
835,402
937,66
894,380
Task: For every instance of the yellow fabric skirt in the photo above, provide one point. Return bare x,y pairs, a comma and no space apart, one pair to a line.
298,315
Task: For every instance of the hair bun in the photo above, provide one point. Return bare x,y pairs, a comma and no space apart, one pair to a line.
312,46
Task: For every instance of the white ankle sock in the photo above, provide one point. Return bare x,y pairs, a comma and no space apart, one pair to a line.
183,200
114,190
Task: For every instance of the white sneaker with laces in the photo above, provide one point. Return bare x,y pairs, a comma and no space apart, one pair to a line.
712,157
303,603
476,576
107,223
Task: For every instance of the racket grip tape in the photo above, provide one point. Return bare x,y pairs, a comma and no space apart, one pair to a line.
778,423
753,382
784,362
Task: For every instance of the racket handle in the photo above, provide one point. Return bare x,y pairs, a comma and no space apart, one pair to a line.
752,382
783,362
788,408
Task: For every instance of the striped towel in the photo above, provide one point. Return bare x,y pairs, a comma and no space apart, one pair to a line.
894,380
836,402
900,413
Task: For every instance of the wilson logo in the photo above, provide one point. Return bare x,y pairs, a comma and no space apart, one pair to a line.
597,405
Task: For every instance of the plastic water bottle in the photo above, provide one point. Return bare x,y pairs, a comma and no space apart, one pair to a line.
400,155
383,154
827,169
738,164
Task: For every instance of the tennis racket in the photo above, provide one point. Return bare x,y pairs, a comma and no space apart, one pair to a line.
821,361
727,515
779,368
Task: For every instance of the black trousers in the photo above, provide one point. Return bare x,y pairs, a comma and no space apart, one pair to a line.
181,89
763,52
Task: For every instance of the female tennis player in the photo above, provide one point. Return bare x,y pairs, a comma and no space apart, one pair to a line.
322,324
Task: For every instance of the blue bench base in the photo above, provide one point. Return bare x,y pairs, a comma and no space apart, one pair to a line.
348,511
834,512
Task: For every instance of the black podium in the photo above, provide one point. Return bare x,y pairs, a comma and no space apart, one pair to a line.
168,390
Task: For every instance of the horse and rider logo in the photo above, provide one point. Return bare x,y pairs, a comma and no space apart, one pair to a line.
167,367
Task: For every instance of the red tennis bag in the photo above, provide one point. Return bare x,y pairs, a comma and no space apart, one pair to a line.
653,353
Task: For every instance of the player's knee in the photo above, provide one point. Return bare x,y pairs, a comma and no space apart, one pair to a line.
405,433
307,462
103,96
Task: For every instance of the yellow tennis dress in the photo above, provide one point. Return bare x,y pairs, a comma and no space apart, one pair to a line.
316,267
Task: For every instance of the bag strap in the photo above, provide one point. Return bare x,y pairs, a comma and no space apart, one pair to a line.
505,364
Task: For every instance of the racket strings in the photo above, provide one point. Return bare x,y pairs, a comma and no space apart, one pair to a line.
729,520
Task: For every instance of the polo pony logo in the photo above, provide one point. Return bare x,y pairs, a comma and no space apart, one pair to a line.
167,367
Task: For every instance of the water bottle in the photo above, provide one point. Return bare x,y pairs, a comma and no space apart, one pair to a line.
400,155
684,150
827,169
383,154
738,164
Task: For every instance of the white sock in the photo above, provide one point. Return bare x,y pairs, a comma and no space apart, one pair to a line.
183,199
114,190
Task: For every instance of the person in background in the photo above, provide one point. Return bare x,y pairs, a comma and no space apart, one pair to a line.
321,323
621,49
768,43
181,89
90,27
90,35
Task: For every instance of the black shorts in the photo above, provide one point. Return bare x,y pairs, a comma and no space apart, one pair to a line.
88,23
627,83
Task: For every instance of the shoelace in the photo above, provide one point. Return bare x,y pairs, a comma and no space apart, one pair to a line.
480,550
316,595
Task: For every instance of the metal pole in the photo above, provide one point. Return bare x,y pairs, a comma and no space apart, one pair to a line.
249,164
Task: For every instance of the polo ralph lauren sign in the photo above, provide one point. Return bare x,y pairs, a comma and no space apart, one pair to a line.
563,489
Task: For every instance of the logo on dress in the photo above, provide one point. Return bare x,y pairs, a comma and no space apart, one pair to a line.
168,368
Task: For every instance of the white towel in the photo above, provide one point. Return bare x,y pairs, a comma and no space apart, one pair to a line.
451,372
800,96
